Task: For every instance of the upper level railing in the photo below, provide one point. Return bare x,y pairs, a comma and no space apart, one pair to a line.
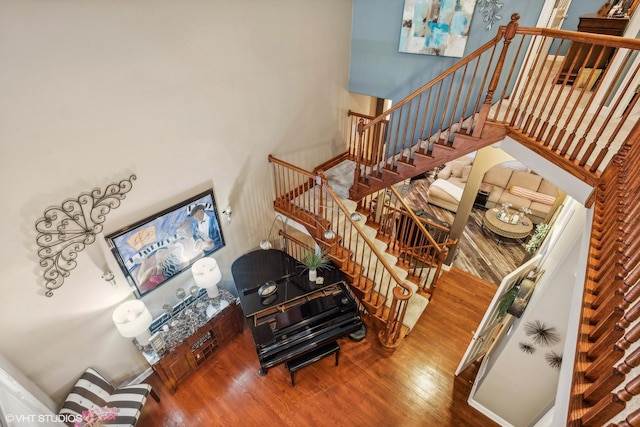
308,200
606,382
571,97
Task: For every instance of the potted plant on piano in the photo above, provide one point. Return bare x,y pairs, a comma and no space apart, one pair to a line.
316,260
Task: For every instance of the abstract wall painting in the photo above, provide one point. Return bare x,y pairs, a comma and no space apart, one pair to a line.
436,27
157,248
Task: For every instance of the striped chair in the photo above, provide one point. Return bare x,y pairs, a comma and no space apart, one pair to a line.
93,391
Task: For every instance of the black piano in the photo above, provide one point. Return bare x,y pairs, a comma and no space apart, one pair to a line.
290,316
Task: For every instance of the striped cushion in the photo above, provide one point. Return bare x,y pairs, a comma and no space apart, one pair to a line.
93,391
534,196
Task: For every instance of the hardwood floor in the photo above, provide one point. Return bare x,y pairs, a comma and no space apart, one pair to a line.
414,387
478,251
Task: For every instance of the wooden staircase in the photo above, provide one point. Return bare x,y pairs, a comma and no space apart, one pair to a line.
482,99
389,257
592,132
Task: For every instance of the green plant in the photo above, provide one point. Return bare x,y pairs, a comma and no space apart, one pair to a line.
507,300
316,260
537,238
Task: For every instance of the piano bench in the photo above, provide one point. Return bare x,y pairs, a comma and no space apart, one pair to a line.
313,356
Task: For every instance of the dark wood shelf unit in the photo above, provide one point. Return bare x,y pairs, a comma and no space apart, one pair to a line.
578,55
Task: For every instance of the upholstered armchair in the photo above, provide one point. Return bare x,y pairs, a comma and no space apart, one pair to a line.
93,391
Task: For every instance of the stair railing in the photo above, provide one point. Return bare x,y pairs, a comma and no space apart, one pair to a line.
427,119
307,199
294,247
421,244
574,106
371,144
605,376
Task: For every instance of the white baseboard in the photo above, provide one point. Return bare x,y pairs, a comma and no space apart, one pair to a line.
488,413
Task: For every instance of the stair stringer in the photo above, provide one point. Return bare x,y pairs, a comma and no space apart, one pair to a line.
392,171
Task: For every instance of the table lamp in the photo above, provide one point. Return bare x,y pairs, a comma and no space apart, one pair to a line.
207,275
132,318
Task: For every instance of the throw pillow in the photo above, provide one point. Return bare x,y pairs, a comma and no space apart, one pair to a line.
534,196
445,173
456,169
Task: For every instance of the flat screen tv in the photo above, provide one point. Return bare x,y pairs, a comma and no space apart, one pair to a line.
155,249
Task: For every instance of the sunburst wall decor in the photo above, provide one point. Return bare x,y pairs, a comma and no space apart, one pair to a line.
541,334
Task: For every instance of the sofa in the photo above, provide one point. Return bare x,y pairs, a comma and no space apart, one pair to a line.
446,190
509,182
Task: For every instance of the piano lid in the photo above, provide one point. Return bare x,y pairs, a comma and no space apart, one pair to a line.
252,270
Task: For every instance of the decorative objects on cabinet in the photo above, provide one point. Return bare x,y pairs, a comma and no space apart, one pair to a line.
183,340
67,229
157,248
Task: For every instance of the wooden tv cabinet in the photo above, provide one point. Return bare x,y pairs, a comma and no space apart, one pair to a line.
174,366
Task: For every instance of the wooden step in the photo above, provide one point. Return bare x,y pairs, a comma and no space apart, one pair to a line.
375,303
362,287
352,270
441,152
339,255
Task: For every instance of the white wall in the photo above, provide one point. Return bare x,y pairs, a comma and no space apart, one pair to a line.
518,387
22,402
187,95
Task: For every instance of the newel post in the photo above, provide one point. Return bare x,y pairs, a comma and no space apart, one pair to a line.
358,154
509,34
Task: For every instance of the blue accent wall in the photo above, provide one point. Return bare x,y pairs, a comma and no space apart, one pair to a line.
378,69
579,8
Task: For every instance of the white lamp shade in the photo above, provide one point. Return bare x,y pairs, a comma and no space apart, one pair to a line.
132,318
207,275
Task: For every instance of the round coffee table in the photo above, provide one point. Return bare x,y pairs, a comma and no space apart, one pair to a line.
520,230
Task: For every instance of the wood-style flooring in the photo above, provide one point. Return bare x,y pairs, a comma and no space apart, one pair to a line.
414,387
478,251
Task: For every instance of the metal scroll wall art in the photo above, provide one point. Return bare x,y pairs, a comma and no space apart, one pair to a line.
490,10
67,229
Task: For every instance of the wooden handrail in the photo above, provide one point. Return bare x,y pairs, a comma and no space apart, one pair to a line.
293,168
582,37
362,116
416,220
372,246
459,65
